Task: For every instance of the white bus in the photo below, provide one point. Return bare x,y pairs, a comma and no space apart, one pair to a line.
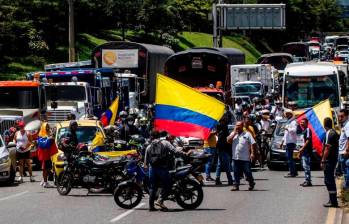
309,83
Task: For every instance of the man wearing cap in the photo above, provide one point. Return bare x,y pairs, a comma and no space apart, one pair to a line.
265,122
277,110
290,141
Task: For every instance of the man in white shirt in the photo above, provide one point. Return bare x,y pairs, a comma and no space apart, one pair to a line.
344,146
290,141
243,152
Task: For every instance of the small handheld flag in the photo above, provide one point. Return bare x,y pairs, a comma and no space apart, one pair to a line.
109,116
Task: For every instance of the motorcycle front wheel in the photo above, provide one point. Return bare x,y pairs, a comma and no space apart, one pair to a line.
64,183
128,196
190,195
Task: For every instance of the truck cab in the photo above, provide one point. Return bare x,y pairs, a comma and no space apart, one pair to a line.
20,100
68,97
253,80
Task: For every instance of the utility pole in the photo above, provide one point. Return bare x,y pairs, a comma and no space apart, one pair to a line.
71,31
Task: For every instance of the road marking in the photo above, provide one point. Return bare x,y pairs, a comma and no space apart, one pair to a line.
13,196
331,216
123,215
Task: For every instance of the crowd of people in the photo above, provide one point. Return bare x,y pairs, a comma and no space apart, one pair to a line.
234,151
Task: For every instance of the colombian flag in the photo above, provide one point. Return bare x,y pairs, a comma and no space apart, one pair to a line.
108,117
183,111
316,116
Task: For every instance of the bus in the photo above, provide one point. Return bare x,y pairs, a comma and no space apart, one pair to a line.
307,84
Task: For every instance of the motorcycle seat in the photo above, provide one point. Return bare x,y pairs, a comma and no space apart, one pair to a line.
179,169
102,163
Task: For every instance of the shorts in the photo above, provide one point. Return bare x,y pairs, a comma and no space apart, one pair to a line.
24,155
46,164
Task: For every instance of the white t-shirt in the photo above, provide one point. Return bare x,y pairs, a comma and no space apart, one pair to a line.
290,135
343,137
241,146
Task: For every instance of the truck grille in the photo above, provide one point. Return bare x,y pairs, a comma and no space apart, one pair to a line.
6,124
55,116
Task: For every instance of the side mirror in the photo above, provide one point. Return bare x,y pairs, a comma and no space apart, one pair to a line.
11,145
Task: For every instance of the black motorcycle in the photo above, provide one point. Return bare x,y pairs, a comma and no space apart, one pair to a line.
90,171
186,190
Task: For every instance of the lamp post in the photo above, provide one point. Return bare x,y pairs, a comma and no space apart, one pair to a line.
71,31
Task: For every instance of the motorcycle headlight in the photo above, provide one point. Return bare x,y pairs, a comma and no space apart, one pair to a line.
4,159
61,157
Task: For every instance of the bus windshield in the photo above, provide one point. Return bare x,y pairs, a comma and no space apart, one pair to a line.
65,93
244,88
308,91
19,97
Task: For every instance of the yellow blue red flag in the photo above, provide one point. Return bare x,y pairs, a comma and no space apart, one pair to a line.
316,116
109,116
184,111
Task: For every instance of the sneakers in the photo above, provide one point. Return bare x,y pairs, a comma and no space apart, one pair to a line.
209,179
251,187
32,179
42,183
306,184
218,182
235,188
330,205
20,180
47,185
291,175
161,205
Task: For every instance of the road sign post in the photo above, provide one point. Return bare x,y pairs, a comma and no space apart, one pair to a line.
246,17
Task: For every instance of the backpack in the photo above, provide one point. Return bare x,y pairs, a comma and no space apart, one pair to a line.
159,156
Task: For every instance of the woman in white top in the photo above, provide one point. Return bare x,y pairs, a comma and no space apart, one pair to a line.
23,141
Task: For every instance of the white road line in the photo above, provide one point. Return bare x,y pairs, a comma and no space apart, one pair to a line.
123,215
13,196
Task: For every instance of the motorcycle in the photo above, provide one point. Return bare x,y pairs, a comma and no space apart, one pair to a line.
91,171
186,191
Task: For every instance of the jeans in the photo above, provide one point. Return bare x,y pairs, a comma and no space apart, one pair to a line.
290,147
341,165
245,167
306,159
346,177
329,169
224,161
209,163
156,176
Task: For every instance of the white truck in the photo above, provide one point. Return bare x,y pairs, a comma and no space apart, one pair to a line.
253,80
129,89
65,98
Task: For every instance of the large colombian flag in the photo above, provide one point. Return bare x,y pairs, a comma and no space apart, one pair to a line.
316,116
109,116
184,111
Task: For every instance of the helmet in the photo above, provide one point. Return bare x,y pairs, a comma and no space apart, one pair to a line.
123,114
256,99
133,111
252,117
259,108
244,105
269,96
143,120
82,147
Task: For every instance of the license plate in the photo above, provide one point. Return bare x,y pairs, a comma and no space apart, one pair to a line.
4,173
295,155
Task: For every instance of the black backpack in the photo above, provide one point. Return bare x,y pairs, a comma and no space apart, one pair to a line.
159,155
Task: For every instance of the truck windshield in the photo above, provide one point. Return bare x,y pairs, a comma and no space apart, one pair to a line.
241,89
65,93
19,97
308,91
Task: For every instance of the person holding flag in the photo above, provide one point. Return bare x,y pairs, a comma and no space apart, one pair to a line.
306,151
109,116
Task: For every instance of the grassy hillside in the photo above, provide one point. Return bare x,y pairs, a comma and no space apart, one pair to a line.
86,42
192,39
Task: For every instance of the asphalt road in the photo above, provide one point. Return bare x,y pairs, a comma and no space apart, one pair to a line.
274,200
